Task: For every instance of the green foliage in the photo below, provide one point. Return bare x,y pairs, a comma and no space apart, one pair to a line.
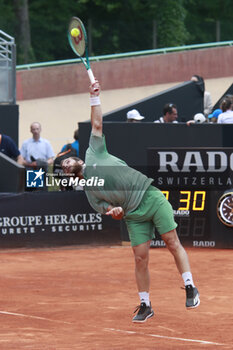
49,21
118,25
201,20
7,17
171,28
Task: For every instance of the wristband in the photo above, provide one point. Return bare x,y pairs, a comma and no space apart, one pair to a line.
94,101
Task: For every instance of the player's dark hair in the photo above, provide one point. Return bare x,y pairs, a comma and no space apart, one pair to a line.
76,168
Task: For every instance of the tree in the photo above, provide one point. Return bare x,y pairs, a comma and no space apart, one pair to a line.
7,17
22,31
122,26
114,26
171,28
209,20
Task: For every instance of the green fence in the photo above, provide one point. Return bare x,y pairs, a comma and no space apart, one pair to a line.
128,54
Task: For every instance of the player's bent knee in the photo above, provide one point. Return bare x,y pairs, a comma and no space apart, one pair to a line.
137,259
141,253
173,245
172,241
141,259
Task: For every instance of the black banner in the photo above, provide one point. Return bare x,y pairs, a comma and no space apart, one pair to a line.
41,219
191,167
198,183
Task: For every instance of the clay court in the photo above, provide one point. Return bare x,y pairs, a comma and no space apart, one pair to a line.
84,298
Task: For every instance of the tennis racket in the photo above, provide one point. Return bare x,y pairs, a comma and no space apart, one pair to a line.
79,44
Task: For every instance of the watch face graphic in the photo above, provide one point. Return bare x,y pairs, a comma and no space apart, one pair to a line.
225,209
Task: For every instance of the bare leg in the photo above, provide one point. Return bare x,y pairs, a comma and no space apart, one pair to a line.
173,244
181,258
141,255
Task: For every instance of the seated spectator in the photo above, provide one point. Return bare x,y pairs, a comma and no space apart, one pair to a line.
199,118
74,144
226,117
37,151
169,114
231,98
213,117
9,148
134,116
206,95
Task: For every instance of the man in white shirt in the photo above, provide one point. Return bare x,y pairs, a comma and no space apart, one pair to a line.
37,150
169,114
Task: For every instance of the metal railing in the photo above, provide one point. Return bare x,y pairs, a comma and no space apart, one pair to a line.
127,54
7,69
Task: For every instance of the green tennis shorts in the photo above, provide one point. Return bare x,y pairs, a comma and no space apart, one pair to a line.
153,211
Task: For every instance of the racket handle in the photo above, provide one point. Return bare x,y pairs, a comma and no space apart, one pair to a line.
91,76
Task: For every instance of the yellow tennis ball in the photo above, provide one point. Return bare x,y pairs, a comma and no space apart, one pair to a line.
75,32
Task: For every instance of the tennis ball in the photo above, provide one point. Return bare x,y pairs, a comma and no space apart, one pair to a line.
75,32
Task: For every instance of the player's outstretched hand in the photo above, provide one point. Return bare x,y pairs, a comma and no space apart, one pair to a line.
95,88
116,213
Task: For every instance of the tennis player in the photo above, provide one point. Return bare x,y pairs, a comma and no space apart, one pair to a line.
128,194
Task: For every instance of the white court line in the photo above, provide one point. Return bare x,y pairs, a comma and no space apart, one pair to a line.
169,329
29,316
164,336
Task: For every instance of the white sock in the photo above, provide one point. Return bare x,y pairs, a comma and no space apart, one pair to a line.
144,298
187,278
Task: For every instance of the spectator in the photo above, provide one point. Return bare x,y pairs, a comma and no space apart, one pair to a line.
231,98
134,116
9,148
206,95
169,114
213,117
226,106
199,118
37,151
74,144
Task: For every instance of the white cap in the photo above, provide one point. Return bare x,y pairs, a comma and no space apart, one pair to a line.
199,118
134,114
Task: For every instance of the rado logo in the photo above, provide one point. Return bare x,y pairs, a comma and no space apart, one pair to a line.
200,161
209,244
199,167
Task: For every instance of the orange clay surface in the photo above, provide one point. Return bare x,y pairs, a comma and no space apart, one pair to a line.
84,298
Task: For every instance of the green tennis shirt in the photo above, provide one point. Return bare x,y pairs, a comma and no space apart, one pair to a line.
123,186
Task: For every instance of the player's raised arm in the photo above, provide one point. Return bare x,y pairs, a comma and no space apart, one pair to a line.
96,112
